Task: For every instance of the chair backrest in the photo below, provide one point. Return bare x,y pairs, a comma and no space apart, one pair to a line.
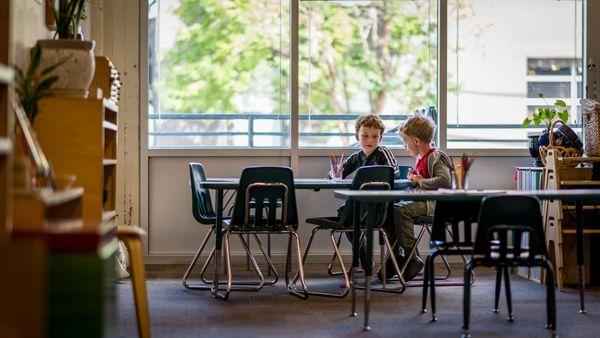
201,204
460,216
503,220
264,190
375,177
403,171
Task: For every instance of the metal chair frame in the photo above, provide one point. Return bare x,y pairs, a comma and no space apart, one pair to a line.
284,229
379,228
204,214
496,224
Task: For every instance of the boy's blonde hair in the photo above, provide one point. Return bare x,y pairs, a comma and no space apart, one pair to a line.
419,126
371,121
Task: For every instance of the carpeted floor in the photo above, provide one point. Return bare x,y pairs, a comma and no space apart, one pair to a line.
272,312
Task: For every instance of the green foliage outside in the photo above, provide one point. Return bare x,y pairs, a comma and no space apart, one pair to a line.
382,50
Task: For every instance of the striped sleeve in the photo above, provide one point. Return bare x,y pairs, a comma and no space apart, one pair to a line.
390,159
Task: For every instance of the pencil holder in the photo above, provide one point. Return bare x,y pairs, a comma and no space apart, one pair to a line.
459,178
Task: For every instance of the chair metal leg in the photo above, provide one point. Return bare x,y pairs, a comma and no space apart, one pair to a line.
228,266
248,256
269,261
236,284
333,257
508,295
291,288
497,291
402,287
193,263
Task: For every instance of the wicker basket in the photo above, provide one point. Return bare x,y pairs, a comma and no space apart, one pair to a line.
560,150
591,127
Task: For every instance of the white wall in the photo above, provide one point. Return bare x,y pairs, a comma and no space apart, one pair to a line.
27,26
174,235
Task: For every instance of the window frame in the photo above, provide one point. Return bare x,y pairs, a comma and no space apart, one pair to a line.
294,152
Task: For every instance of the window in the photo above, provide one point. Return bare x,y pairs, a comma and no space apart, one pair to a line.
219,70
359,57
218,74
557,79
501,54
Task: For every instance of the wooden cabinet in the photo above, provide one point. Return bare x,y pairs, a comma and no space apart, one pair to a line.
568,173
79,136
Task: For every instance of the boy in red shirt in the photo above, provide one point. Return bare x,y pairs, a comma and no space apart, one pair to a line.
432,171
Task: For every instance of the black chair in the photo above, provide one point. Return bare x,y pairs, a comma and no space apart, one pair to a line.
265,203
371,177
503,222
453,218
204,213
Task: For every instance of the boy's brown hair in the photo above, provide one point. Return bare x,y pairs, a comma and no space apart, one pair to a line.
371,121
419,126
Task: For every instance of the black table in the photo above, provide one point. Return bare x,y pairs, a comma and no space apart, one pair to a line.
578,196
222,184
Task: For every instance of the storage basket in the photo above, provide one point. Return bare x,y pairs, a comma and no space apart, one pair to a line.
559,149
591,127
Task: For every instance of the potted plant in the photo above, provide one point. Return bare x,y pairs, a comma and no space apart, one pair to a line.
544,116
32,84
76,73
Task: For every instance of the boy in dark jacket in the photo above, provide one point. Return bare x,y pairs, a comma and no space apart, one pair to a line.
369,131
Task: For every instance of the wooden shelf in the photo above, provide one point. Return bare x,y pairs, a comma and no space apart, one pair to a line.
109,125
585,231
52,198
6,74
108,104
5,145
582,183
64,225
107,161
108,215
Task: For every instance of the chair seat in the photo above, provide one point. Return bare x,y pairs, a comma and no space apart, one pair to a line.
325,222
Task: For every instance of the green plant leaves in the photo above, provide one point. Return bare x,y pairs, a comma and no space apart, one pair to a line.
32,85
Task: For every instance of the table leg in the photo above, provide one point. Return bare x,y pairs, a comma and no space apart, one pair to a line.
355,248
218,242
368,269
580,258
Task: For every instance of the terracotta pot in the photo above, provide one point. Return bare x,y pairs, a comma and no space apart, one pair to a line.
76,73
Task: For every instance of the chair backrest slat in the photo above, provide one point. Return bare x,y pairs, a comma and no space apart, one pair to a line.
372,178
202,207
264,190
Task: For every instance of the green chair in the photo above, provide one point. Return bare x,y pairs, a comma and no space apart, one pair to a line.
265,203
204,213
371,177
503,222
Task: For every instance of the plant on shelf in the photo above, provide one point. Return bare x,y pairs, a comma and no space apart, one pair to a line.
67,17
32,84
545,116
75,75
563,135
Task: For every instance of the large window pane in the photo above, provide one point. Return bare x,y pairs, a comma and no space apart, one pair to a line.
218,73
359,57
501,55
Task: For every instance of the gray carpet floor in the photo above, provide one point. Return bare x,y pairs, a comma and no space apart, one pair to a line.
272,312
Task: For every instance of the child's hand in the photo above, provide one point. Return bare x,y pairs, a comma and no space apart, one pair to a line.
415,178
